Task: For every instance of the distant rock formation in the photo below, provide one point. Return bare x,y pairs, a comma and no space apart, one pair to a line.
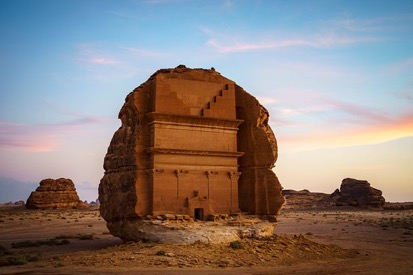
15,203
359,193
352,192
52,194
192,142
305,199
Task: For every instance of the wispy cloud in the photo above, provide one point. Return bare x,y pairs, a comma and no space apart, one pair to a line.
267,100
32,138
92,54
326,41
340,135
377,24
358,113
43,137
406,93
141,52
402,66
156,2
333,33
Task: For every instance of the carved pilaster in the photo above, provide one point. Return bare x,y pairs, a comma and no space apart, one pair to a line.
234,176
179,174
211,173
155,171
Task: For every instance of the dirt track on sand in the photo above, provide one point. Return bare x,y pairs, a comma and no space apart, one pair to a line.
306,242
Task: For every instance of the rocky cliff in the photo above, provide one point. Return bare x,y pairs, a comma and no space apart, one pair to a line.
352,192
52,194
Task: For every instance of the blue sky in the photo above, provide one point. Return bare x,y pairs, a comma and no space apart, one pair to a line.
336,76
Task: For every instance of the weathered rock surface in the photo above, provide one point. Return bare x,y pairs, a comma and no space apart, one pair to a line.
192,142
355,192
305,199
191,232
52,194
352,192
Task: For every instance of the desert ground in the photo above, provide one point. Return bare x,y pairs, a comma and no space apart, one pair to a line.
339,241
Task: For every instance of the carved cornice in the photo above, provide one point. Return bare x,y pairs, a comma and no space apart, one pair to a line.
153,150
181,172
188,120
155,171
211,173
234,175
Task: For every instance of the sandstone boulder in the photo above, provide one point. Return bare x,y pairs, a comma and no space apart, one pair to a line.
359,193
52,194
192,142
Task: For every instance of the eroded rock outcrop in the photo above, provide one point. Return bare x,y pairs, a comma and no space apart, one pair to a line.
352,192
304,199
355,192
191,142
52,194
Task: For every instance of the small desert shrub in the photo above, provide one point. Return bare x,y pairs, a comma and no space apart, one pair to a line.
160,253
85,236
18,259
28,243
57,258
3,251
34,258
78,236
236,245
23,244
59,237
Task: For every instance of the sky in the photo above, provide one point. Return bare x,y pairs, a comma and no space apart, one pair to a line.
336,77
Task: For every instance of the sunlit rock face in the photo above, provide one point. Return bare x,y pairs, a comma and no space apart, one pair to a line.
52,194
194,143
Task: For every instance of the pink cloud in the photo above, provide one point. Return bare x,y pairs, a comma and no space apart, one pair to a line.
92,54
42,137
103,61
145,53
336,136
32,138
322,41
333,33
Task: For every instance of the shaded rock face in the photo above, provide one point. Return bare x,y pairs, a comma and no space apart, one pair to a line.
52,194
259,188
355,192
191,142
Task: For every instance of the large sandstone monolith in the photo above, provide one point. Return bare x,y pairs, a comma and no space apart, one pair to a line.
191,143
355,192
52,194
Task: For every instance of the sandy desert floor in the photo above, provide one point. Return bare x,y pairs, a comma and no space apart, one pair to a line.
345,241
